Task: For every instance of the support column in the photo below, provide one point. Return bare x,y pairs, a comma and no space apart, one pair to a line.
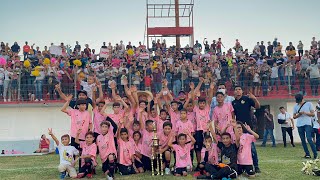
176,3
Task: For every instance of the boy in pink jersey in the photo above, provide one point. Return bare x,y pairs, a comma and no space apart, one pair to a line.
117,111
165,151
146,151
88,155
107,149
141,113
202,120
162,119
191,115
209,155
133,128
126,152
138,147
184,125
80,119
98,117
183,159
244,137
222,116
173,113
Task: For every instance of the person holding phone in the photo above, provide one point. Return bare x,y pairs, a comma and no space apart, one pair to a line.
44,145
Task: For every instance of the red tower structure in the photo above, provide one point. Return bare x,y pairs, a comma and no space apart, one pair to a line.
167,11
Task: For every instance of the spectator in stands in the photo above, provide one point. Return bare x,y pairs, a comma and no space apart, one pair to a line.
300,49
270,49
15,48
44,145
26,49
314,75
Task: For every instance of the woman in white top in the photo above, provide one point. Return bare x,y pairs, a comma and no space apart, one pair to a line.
287,127
39,84
6,84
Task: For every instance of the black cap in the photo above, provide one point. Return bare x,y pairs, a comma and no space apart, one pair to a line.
83,91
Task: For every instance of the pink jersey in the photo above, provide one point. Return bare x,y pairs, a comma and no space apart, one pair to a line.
106,145
146,143
163,140
144,116
183,158
182,127
88,150
126,151
213,154
192,118
97,119
223,117
79,120
116,117
137,148
202,118
244,152
160,125
175,117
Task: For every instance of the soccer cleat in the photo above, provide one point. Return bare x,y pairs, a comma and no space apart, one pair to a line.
62,175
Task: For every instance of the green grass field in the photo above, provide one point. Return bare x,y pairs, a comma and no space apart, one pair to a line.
275,163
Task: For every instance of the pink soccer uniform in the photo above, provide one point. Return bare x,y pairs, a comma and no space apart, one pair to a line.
223,117
163,140
244,152
183,158
202,118
175,117
126,151
146,143
116,117
182,127
106,145
192,118
213,154
79,120
97,119
88,150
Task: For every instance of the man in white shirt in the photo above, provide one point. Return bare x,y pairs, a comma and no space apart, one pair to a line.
304,112
287,127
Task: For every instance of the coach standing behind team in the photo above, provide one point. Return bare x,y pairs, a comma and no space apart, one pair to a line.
242,108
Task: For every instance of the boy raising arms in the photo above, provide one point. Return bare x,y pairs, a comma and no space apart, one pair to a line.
66,153
80,119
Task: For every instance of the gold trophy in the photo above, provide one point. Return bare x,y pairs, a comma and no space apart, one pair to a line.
155,148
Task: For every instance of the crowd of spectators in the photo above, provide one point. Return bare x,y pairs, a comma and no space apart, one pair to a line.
260,70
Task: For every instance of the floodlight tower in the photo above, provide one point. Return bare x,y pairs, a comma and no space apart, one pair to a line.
181,11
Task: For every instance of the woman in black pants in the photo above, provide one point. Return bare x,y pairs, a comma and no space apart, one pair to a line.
287,127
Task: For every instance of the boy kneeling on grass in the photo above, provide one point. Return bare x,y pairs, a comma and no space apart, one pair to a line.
66,153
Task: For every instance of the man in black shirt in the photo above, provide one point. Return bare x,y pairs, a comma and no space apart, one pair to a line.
270,49
242,108
262,49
